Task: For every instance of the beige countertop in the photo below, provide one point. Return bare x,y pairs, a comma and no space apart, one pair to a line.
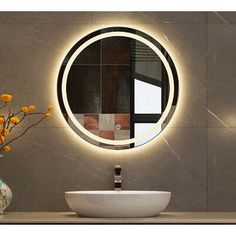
164,218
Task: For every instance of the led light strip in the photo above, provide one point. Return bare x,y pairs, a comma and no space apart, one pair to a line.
146,133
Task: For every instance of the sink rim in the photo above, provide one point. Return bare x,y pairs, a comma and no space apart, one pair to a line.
111,192
112,203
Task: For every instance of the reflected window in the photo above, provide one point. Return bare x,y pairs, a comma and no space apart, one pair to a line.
147,98
140,128
149,79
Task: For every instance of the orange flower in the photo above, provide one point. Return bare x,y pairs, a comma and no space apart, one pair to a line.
2,139
5,132
14,120
24,109
31,107
48,115
2,120
50,107
6,148
6,97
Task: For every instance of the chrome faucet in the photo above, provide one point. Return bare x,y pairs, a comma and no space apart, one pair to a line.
117,178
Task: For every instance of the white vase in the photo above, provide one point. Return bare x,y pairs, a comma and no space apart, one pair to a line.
5,196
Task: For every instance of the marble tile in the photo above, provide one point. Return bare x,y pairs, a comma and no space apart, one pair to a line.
102,17
83,89
70,18
187,45
91,121
221,169
122,121
221,17
116,51
106,121
176,17
107,134
122,134
221,76
177,163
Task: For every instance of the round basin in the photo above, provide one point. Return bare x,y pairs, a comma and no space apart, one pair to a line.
117,203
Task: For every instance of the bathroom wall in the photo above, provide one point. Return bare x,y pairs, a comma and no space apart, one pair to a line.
194,158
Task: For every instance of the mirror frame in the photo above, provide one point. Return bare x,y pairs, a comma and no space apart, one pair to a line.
106,33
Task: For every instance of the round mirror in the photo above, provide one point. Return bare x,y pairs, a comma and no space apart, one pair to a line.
117,88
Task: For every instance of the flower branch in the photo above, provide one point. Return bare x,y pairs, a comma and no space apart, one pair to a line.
2,148
17,123
10,121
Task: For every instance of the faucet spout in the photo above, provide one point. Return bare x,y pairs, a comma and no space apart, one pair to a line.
117,178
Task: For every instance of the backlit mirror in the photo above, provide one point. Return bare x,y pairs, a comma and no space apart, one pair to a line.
117,88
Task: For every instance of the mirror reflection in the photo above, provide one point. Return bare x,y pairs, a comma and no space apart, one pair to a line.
117,88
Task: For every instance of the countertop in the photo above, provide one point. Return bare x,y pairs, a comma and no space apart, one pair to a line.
163,218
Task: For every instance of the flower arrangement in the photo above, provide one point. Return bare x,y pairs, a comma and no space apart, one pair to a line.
11,119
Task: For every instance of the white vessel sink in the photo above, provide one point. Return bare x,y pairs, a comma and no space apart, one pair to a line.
117,203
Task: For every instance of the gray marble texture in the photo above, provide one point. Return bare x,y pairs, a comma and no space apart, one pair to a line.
193,158
221,17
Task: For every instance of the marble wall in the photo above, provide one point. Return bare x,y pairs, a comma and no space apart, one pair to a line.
194,158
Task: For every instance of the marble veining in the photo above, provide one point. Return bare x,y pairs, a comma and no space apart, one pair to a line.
218,118
33,29
181,162
214,170
214,56
172,150
221,17
38,40
172,47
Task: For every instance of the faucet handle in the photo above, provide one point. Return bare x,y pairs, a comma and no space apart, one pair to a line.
117,169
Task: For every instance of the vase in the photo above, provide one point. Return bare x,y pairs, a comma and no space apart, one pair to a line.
5,196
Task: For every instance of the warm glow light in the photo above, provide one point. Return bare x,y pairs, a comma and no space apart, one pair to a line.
164,114
180,111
